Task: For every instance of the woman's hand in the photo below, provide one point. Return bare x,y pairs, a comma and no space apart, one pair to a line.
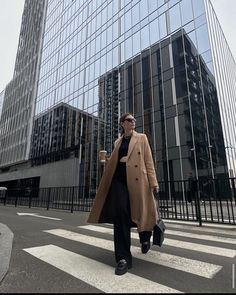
156,189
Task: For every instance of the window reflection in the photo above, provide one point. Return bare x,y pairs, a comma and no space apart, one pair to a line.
144,37
198,7
175,20
144,8
162,25
136,43
154,31
202,39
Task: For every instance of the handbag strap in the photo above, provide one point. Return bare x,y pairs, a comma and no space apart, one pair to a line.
157,198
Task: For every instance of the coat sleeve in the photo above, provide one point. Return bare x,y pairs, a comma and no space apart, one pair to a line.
149,164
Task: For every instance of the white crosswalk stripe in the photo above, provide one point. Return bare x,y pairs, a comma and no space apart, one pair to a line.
230,230
205,225
95,273
174,243
199,268
101,276
201,236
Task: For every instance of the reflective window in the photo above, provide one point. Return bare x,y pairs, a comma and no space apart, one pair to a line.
103,64
160,2
103,39
135,14
186,11
122,52
104,16
109,10
201,20
143,9
207,56
152,5
162,25
136,43
109,35
193,38
175,20
145,37
189,27
115,57
154,31
128,48
109,60
128,19
202,39
115,30
122,25
198,7
115,7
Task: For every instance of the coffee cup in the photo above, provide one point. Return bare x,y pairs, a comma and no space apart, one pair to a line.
102,156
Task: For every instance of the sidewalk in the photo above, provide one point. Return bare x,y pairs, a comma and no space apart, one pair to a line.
6,239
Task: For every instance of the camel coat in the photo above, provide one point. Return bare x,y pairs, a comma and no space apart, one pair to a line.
141,179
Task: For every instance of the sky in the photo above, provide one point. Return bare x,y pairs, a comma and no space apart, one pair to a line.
10,22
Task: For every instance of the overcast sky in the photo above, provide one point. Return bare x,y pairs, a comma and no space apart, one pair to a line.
10,21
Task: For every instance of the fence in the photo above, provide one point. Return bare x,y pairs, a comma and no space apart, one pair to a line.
211,200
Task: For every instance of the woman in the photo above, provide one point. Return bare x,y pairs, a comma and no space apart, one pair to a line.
125,194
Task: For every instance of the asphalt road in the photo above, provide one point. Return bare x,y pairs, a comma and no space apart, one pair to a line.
60,255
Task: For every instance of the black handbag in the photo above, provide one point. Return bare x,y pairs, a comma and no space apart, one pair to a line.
158,233
159,228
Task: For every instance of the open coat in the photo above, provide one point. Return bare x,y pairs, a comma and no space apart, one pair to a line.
141,179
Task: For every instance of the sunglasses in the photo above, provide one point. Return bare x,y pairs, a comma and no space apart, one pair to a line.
130,120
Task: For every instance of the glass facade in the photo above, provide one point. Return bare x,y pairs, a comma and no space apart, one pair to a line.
152,58
166,61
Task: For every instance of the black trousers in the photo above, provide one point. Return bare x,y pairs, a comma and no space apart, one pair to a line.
122,221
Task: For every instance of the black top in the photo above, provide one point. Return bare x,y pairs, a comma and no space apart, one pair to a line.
120,173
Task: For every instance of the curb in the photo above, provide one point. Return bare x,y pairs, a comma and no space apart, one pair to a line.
6,239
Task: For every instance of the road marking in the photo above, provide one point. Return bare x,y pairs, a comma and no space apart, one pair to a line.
173,243
227,231
200,236
36,215
199,268
96,274
225,226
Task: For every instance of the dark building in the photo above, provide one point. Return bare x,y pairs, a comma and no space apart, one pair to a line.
173,96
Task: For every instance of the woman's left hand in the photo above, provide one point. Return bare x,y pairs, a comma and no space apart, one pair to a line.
156,189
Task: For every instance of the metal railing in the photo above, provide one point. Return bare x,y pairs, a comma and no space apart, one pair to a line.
211,200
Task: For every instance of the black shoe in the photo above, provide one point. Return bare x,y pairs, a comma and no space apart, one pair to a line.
122,267
145,247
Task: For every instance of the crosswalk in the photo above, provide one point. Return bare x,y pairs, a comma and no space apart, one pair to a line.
205,264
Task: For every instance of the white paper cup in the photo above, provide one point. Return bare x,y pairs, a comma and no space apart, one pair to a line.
102,156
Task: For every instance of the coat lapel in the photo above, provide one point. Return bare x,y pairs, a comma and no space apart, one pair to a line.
132,143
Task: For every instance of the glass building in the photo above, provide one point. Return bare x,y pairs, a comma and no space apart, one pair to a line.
1,101
166,61
18,105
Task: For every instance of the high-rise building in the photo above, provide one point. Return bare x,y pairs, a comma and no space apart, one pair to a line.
1,101
19,99
166,61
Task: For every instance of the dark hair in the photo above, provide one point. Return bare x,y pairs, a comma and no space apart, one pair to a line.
122,119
